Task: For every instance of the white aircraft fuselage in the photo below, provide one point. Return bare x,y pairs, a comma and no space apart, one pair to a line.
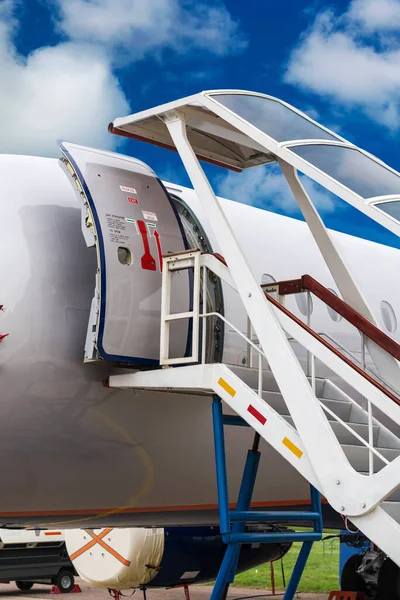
73,452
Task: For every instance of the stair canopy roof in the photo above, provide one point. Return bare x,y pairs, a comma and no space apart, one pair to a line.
240,129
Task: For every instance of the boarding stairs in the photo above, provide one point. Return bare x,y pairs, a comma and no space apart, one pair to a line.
327,435
339,432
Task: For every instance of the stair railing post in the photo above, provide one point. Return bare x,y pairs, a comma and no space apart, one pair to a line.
249,347
309,367
260,375
204,319
366,404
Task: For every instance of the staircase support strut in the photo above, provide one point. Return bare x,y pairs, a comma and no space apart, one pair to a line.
386,365
304,407
235,535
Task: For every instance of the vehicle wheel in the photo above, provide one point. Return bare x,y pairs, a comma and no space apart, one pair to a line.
351,581
389,581
64,581
24,586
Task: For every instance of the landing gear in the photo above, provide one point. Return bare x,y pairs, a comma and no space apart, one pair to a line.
389,581
373,574
351,580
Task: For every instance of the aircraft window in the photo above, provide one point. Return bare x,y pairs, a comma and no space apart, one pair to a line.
301,301
273,118
388,316
332,313
355,170
124,255
266,278
391,208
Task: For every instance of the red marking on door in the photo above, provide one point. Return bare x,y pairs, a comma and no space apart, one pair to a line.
148,262
133,200
98,539
3,335
159,249
256,414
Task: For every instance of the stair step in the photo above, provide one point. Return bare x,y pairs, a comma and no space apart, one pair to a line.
358,457
393,509
346,437
341,408
250,377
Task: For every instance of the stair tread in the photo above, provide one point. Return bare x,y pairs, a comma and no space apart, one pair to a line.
392,508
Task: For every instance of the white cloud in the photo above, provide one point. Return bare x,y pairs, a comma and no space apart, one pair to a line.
70,90
65,91
266,187
138,27
337,58
376,15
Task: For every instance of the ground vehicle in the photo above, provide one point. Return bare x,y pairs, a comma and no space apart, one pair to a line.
34,556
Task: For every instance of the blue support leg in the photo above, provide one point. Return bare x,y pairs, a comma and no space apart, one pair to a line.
316,507
228,568
236,535
306,547
298,571
220,463
224,571
245,494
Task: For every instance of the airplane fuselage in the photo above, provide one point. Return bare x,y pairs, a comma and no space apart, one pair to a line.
74,452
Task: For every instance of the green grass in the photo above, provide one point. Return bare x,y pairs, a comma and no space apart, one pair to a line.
320,575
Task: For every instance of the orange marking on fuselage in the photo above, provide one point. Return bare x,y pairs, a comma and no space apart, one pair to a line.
154,509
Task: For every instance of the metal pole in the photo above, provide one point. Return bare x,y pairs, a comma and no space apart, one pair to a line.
364,403
313,385
204,323
220,463
298,571
249,348
245,495
308,325
370,438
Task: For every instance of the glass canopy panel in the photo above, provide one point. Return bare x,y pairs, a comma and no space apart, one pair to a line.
355,170
273,118
391,208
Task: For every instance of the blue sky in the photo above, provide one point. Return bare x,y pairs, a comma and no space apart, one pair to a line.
69,67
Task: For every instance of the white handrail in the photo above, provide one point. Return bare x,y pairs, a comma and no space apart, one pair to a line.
368,444
360,362
202,314
357,435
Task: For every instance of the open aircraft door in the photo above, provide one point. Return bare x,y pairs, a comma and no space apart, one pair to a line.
129,218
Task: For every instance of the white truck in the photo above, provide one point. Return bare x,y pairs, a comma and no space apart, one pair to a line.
29,556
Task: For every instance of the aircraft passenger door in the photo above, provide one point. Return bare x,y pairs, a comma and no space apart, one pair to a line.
129,219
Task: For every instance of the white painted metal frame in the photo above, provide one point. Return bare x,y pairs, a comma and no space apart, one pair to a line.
207,378
179,260
279,150
353,494
187,261
328,469
209,100
387,366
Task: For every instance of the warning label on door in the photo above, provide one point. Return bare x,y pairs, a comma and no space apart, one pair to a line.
116,228
130,190
149,216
